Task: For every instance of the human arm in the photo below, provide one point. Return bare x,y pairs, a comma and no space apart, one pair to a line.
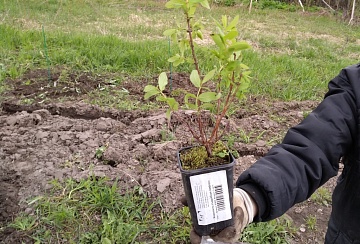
310,152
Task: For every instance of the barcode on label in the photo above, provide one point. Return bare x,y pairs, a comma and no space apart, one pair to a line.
219,198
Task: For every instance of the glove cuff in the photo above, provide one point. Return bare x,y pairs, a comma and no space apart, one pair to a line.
247,202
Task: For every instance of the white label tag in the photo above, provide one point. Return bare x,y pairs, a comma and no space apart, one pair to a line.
211,197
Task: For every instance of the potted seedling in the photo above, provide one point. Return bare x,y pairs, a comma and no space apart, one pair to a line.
206,168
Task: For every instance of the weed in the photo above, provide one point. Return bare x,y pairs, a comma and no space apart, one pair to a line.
322,196
249,137
93,211
23,223
231,139
311,222
100,151
166,134
306,113
117,98
27,101
275,231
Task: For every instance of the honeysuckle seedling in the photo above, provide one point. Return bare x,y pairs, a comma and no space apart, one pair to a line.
216,89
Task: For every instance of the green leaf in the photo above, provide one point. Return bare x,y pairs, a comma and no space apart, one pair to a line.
191,11
209,75
148,88
238,46
173,104
244,66
240,95
163,81
220,30
174,58
244,86
105,241
150,91
215,53
199,34
209,97
191,106
218,41
195,78
169,32
233,23
224,20
205,4
179,61
231,35
175,4
161,99
246,73
182,46
208,106
217,23
232,65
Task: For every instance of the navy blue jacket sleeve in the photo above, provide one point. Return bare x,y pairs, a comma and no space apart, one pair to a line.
310,152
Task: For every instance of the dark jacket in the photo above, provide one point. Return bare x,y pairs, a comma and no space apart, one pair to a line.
309,156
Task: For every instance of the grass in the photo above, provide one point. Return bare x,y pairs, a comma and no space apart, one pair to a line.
290,50
275,231
322,196
93,211
311,222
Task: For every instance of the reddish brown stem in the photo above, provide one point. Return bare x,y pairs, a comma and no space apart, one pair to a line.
202,133
189,30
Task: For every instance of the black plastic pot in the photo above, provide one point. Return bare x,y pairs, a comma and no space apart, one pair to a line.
209,194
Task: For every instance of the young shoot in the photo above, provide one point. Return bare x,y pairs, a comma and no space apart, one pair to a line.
216,89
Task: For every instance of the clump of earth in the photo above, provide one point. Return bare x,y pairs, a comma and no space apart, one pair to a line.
60,138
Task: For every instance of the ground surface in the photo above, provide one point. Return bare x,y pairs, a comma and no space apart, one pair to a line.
50,133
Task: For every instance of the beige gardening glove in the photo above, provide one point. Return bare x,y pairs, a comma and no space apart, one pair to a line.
244,211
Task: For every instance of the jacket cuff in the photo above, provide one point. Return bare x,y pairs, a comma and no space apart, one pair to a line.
259,197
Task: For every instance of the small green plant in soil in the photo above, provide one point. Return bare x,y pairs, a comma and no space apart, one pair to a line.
322,196
275,231
311,222
100,151
212,92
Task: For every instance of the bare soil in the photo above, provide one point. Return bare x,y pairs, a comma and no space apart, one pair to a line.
57,137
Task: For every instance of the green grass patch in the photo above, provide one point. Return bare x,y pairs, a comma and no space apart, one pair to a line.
93,211
118,99
322,196
293,57
277,231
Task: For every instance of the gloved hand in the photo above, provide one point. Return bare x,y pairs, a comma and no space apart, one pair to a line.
244,211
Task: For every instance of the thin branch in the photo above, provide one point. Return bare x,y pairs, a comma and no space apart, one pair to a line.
328,5
352,12
186,121
302,5
221,115
189,30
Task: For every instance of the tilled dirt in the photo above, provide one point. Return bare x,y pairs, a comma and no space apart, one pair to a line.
46,141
